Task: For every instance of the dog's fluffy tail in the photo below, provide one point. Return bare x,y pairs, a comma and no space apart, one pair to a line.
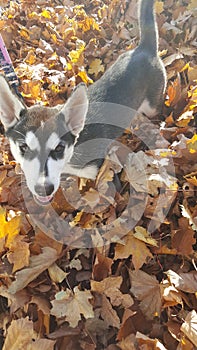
148,27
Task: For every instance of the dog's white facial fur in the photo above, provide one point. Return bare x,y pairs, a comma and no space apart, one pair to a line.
32,167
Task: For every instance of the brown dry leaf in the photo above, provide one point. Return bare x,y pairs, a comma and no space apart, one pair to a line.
189,327
41,344
18,253
135,168
111,288
57,275
128,343
136,248
71,305
146,288
42,303
125,327
174,93
19,335
108,314
187,282
37,265
148,343
102,267
183,238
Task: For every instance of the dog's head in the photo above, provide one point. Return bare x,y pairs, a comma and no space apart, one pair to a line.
41,138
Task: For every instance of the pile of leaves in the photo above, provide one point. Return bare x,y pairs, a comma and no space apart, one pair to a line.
109,266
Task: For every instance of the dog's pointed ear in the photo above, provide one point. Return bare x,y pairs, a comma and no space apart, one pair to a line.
75,109
10,104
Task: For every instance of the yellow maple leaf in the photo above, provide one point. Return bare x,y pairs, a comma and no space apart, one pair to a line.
30,58
25,33
159,7
88,23
46,14
96,67
9,229
142,234
85,78
192,144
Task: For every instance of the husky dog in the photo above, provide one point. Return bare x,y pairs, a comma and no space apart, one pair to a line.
48,142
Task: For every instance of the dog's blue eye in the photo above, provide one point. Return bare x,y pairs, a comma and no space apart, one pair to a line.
23,147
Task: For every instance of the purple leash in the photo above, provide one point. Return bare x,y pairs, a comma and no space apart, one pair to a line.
6,65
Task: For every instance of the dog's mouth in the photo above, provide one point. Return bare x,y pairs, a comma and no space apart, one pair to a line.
43,200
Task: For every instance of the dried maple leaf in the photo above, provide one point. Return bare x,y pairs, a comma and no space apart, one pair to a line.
132,246
38,264
146,288
20,335
18,253
109,314
96,67
183,238
111,288
72,305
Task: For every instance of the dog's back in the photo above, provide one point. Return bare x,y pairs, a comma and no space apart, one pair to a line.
138,75
136,80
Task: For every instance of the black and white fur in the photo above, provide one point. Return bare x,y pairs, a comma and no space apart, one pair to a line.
73,138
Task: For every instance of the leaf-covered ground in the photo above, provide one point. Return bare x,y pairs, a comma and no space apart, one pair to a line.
86,279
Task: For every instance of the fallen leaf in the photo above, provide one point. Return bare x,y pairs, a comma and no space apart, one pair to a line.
149,343
18,253
143,235
38,264
189,327
19,335
187,282
146,288
111,288
183,238
96,67
71,305
57,275
132,246
109,314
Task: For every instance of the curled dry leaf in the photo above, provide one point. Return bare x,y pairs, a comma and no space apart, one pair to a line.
187,282
189,327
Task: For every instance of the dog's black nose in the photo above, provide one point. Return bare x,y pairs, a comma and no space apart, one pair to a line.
44,190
